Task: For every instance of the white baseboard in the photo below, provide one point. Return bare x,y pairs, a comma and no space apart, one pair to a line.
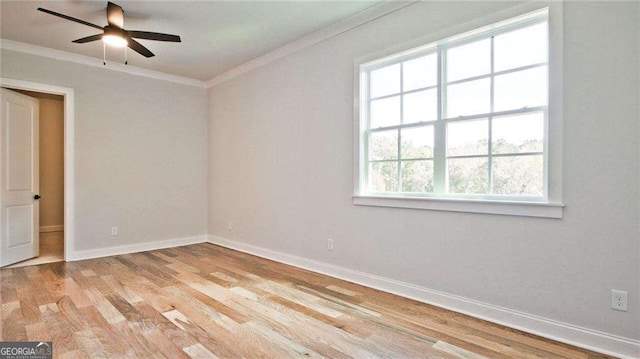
58,228
562,332
133,248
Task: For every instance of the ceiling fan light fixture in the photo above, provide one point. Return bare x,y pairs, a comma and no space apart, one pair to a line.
115,40
115,35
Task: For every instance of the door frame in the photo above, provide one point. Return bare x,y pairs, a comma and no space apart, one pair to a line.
69,154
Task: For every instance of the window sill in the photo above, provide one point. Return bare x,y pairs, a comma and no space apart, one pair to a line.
510,208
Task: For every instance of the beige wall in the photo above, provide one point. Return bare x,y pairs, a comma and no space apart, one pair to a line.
51,162
51,158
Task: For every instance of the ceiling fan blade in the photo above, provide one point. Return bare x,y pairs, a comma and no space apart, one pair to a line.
115,15
88,39
146,35
69,18
137,47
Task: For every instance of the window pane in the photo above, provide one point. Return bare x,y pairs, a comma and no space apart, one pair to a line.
521,89
417,176
420,106
519,133
469,60
518,175
383,177
468,98
468,138
385,81
417,142
468,175
522,47
384,145
419,73
385,112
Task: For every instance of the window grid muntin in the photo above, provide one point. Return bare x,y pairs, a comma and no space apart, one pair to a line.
439,148
495,155
409,92
491,109
524,110
440,165
399,180
493,74
419,159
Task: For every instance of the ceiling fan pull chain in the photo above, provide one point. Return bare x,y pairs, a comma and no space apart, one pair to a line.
104,54
126,62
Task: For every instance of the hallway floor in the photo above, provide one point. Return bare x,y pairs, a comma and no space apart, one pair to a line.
51,250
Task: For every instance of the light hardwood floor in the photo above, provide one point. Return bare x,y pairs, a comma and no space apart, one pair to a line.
205,301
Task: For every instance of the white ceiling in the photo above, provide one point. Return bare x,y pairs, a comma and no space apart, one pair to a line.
216,35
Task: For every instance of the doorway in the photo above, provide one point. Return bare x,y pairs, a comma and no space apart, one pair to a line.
51,178
52,188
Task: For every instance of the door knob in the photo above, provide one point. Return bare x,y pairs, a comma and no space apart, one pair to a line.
37,196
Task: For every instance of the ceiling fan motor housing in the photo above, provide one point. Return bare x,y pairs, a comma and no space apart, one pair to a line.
112,30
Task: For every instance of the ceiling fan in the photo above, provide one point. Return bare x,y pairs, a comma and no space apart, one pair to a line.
114,33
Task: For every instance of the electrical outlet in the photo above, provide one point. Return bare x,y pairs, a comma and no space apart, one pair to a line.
330,244
114,231
619,300
229,226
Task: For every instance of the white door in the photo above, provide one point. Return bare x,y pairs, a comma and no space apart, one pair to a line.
19,178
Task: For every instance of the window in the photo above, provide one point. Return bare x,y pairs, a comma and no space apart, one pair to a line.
464,118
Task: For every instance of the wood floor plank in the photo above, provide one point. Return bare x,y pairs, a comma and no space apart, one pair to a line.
177,318
89,344
129,312
199,351
292,348
13,322
61,332
205,301
122,290
341,290
76,294
38,332
214,304
88,273
108,311
343,323
9,294
457,351
30,310
165,344
300,327
110,340
177,337
75,354
141,346
300,297
71,314
35,288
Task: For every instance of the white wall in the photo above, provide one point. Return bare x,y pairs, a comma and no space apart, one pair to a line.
140,151
281,170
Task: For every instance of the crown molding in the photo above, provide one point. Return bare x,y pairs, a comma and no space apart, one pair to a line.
91,61
369,14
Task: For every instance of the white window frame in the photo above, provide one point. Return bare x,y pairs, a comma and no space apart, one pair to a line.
550,204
